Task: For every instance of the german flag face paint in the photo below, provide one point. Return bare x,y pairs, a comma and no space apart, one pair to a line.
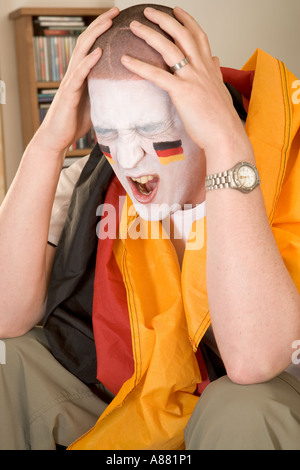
169,152
106,151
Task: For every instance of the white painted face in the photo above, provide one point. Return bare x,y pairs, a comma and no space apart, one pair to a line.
141,133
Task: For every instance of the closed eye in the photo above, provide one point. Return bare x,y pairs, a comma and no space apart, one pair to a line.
155,128
104,133
150,128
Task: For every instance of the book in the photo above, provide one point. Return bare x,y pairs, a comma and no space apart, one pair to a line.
86,142
52,56
62,23
72,30
56,32
43,108
59,18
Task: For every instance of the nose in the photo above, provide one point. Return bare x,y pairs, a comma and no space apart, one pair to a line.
129,154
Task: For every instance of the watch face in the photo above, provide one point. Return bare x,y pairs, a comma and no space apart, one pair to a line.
245,177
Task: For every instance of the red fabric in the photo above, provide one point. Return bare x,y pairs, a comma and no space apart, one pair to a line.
115,363
110,312
242,80
203,371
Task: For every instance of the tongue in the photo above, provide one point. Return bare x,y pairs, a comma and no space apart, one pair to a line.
146,188
150,185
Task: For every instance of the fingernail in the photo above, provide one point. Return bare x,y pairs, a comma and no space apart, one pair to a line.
149,10
96,51
135,24
125,58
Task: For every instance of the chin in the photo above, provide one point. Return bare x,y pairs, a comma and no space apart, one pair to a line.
155,212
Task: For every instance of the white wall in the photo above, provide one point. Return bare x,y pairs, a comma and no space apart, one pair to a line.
8,72
235,29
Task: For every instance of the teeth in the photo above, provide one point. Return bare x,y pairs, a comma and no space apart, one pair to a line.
143,179
143,191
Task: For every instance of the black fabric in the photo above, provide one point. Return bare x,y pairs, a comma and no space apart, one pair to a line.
68,319
213,363
237,101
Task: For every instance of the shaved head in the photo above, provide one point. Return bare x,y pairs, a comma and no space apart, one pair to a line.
119,40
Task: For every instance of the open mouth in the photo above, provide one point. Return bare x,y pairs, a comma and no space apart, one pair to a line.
144,188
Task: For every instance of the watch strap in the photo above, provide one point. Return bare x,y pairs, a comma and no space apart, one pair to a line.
218,180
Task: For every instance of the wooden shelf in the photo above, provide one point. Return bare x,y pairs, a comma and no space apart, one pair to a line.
28,86
47,84
78,152
21,12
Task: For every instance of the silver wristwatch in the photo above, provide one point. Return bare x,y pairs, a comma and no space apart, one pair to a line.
243,176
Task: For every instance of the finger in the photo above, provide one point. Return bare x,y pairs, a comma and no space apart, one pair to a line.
159,77
195,29
108,15
86,39
111,13
83,46
169,51
181,35
75,79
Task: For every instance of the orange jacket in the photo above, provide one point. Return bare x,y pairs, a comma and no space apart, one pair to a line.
168,308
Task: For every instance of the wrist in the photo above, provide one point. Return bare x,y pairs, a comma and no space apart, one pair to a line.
243,177
42,144
225,153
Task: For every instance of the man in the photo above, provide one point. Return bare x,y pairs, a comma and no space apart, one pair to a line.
166,123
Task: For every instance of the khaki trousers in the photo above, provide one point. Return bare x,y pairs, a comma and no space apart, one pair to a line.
43,406
263,416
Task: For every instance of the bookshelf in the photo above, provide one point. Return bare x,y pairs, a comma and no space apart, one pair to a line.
36,86
2,172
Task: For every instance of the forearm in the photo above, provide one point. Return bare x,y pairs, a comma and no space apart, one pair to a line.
24,221
25,213
254,304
